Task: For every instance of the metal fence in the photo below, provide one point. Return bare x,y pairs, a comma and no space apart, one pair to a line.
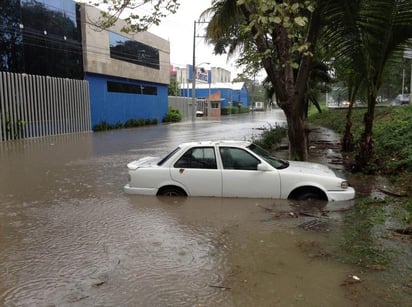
36,106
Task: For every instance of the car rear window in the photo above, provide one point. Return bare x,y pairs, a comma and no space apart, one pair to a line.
167,157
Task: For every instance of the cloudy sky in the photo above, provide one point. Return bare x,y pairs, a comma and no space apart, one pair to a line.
179,30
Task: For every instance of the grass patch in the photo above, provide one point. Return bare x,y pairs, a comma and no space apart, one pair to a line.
364,225
392,133
360,241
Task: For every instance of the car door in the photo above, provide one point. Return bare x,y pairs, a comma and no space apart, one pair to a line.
197,171
241,178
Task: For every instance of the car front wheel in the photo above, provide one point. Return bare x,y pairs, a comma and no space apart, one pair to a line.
309,196
171,192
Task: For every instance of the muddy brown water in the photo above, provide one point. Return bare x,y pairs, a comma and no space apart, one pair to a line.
70,236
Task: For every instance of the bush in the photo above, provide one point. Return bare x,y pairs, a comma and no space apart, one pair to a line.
172,116
229,110
271,138
118,125
244,109
103,126
130,123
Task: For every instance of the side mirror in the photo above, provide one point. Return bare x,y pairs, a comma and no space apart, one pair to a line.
263,167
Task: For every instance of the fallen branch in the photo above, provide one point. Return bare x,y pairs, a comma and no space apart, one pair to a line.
308,214
264,208
392,193
270,273
403,231
220,287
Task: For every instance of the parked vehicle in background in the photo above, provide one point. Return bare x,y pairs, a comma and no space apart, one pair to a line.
233,169
402,99
259,106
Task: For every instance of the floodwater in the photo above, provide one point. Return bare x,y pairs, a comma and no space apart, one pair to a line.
70,236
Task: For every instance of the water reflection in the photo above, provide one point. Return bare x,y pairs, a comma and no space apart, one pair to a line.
157,252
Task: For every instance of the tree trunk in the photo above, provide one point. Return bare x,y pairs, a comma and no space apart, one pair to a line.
298,144
366,153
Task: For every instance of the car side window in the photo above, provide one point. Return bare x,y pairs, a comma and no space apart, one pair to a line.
237,158
198,157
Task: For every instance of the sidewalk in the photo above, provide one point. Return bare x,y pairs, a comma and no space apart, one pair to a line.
325,147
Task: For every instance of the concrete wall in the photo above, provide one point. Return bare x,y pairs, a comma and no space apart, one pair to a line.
96,51
183,104
220,75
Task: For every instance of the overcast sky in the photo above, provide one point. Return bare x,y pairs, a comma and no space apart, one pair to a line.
178,29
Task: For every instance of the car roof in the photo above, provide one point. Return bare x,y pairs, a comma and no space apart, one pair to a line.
216,143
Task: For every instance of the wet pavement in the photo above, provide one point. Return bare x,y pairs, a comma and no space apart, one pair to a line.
70,236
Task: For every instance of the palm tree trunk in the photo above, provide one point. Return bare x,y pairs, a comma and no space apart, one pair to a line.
366,153
348,142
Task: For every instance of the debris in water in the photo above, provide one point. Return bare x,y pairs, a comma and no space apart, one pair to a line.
350,280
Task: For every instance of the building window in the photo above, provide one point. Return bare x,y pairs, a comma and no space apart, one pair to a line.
41,38
124,49
119,87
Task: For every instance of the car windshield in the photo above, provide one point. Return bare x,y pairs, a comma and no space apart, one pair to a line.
164,159
265,155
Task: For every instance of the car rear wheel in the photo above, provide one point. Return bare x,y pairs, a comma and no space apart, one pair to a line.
171,192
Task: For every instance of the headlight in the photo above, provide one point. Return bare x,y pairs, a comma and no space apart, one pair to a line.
344,185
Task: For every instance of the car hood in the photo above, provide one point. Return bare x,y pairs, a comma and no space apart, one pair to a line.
310,168
143,162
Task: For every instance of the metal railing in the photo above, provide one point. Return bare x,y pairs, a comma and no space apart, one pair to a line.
37,106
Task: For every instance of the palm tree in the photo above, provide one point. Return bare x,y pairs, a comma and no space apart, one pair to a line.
365,36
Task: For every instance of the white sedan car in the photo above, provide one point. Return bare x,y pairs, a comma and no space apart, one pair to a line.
233,169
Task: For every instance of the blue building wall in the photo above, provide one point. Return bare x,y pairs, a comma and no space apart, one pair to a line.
113,107
227,95
242,96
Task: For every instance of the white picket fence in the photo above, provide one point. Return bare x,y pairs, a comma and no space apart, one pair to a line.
35,106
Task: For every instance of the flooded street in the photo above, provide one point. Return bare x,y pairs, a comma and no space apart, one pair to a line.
70,236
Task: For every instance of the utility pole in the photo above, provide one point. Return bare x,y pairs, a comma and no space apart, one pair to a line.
194,102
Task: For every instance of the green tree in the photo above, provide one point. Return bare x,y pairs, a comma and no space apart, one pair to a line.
154,12
173,89
279,36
